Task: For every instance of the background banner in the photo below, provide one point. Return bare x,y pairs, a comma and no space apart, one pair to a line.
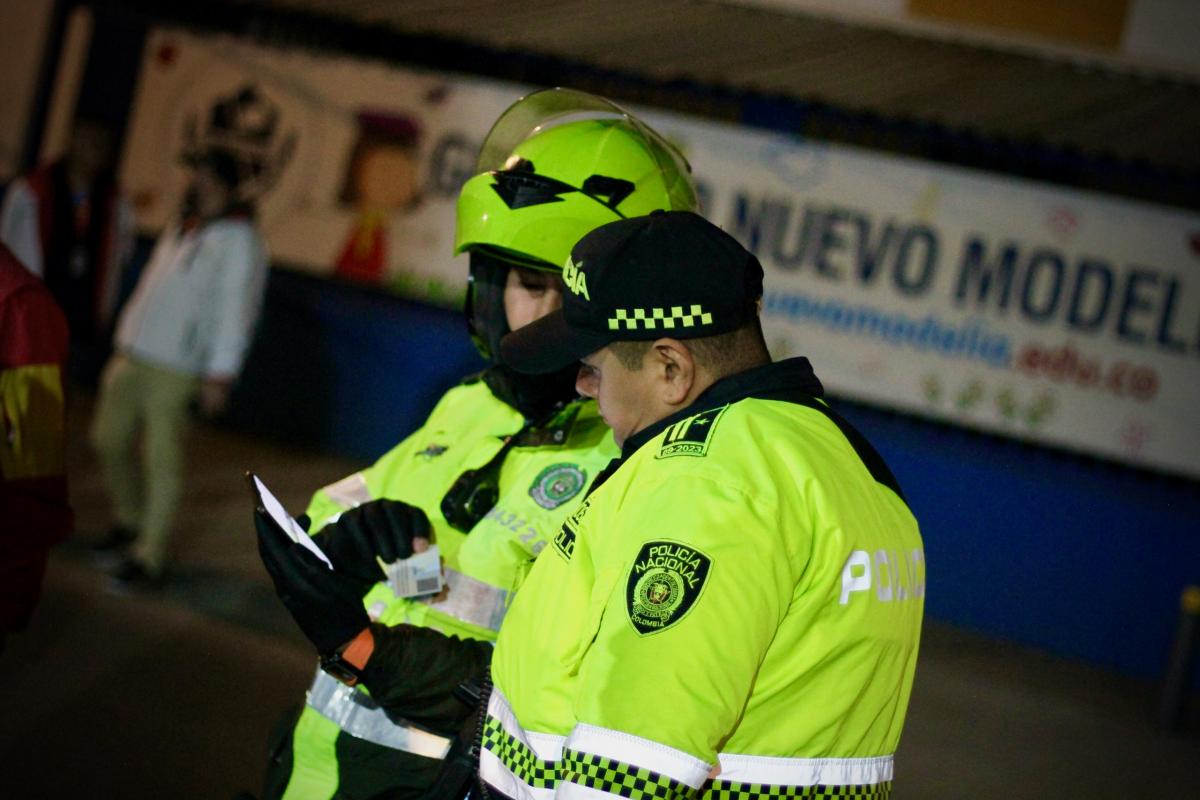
365,161
1052,315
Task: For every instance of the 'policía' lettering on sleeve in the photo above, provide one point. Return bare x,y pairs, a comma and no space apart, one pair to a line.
895,575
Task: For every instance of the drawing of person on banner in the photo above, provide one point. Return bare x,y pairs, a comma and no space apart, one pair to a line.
381,181
246,124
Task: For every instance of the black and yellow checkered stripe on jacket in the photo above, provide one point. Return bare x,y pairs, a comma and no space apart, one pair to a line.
639,783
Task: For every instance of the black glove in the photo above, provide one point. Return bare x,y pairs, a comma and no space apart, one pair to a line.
415,674
383,528
326,605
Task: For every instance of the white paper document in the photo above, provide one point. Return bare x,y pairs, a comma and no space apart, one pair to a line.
416,575
285,521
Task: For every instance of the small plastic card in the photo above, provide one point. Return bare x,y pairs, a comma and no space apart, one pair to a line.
416,575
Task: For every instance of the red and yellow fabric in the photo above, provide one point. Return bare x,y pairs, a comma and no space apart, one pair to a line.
33,482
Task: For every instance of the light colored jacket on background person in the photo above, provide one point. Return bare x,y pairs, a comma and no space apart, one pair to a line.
198,299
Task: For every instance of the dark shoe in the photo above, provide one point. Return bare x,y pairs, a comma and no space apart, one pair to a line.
131,575
110,550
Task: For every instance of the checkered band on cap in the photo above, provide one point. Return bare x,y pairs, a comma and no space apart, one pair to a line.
621,780
516,755
727,790
658,318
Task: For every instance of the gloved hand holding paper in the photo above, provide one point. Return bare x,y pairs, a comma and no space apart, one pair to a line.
275,510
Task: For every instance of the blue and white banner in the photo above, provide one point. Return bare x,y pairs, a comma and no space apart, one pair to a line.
1053,315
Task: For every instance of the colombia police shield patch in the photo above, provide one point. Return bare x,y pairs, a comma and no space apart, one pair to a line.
557,484
664,582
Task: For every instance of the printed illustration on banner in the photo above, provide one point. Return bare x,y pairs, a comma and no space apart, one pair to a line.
381,181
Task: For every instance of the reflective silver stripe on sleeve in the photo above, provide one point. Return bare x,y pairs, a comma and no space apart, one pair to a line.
774,771
349,492
470,600
361,717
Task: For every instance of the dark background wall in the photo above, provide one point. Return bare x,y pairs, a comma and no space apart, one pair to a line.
345,369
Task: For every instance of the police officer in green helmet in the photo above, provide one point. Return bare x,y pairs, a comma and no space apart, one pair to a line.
489,478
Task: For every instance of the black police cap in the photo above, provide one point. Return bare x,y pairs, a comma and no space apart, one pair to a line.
668,274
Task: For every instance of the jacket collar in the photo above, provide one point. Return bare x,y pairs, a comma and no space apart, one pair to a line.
790,376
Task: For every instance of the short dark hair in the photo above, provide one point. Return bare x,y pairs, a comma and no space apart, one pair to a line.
722,354
631,354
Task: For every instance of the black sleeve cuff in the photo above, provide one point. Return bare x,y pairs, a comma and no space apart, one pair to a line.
414,672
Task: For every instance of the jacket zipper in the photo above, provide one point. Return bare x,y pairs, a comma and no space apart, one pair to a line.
485,694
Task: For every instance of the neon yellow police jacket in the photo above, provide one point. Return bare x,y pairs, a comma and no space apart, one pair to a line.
541,479
538,480
733,613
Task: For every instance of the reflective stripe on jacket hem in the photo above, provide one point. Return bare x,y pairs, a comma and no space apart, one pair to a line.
520,764
599,762
804,771
361,717
745,777
607,750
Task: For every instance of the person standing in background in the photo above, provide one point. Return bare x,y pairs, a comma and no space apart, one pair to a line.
182,336
67,222
33,481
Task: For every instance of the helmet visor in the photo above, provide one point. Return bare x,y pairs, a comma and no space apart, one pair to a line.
549,107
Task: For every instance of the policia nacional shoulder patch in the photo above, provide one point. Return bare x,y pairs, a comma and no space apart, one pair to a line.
664,582
691,436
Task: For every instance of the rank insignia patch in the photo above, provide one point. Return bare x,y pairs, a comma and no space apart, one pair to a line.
664,582
557,484
692,436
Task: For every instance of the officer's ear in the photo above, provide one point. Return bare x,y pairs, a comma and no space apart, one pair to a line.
675,369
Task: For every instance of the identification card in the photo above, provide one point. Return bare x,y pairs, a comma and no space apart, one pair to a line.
416,575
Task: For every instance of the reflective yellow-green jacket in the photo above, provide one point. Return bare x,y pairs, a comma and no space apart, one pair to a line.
541,479
733,613
538,480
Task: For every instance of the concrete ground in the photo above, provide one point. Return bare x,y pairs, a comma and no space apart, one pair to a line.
173,694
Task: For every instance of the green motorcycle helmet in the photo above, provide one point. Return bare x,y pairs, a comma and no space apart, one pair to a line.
556,165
